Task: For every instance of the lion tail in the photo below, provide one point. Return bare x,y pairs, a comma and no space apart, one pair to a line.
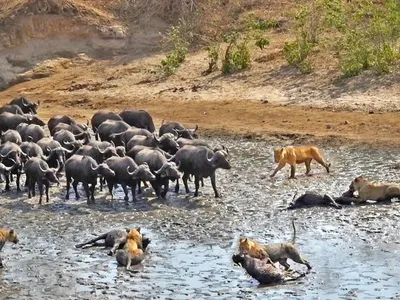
294,233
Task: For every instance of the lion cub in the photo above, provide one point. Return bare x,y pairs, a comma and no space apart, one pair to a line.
133,247
276,252
298,155
370,191
7,235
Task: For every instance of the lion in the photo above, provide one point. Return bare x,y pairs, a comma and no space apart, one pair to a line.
371,191
132,249
298,155
7,235
276,252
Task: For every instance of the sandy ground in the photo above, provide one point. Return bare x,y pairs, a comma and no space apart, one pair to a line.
261,102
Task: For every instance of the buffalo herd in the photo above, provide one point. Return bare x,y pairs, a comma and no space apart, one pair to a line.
111,149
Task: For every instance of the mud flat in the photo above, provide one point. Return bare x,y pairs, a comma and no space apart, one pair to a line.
353,251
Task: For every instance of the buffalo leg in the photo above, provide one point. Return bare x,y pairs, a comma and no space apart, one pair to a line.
185,178
214,185
28,181
11,177
165,183
75,186
202,182
7,188
33,183
86,187
308,166
47,191
92,189
177,186
110,185
133,187
18,181
68,187
139,187
40,188
332,202
197,184
157,187
126,198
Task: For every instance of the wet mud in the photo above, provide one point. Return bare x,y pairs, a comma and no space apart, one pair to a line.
354,251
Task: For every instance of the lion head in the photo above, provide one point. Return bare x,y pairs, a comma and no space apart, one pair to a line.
136,235
12,236
357,183
278,154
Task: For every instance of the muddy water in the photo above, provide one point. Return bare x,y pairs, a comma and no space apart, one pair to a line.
354,251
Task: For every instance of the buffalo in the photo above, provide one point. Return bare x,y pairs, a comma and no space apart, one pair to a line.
55,120
27,106
56,154
101,116
30,132
127,173
192,142
77,129
11,156
159,165
38,171
11,135
11,108
166,142
11,121
86,170
179,129
122,138
110,127
68,140
139,119
201,162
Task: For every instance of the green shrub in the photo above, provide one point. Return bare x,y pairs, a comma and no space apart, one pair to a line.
213,57
237,55
177,55
296,54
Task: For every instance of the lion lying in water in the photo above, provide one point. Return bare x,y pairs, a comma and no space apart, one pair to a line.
371,191
298,155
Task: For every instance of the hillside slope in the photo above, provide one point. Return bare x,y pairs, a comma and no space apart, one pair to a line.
41,56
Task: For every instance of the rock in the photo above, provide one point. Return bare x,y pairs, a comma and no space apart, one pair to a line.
346,122
371,112
328,126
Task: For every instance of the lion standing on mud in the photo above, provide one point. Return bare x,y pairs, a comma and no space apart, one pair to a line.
298,155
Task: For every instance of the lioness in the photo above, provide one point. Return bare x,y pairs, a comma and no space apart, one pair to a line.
298,155
262,270
276,252
132,249
370,191
7,235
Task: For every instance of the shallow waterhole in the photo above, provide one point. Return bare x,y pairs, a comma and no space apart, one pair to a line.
353,251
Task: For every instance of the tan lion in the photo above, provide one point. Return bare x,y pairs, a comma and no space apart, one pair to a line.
298,155
371,191
273,253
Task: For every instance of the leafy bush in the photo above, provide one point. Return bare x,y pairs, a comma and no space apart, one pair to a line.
237,54
366,35
213,57
178,53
